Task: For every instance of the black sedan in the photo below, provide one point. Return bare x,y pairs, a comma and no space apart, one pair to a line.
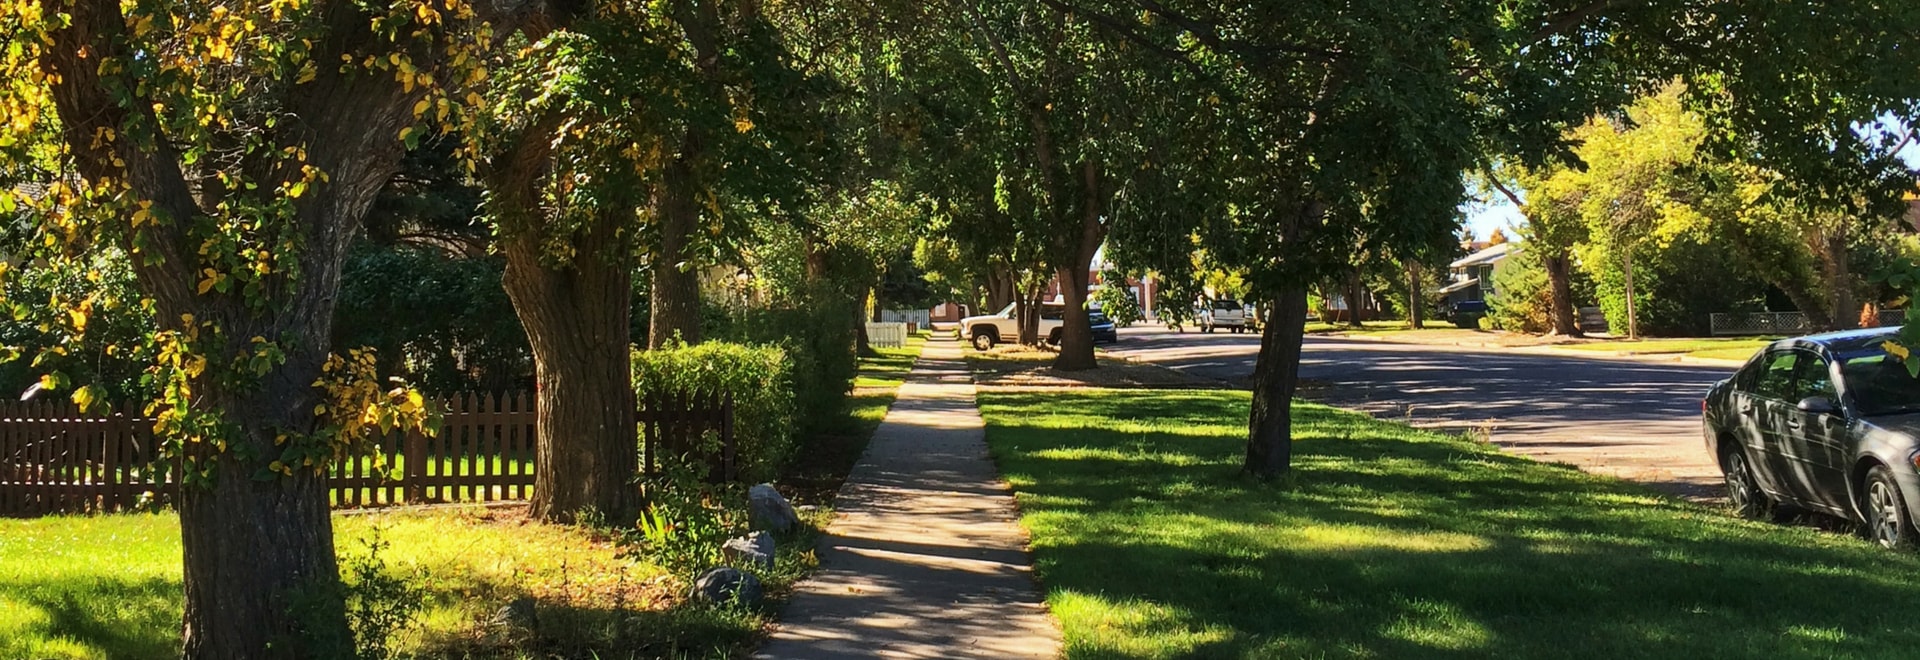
1828,423
1103,332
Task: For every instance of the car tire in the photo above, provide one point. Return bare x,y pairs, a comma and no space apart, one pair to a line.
983,341
1885,510
1053,338
1743,490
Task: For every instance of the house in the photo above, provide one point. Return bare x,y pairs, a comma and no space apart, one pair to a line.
1471,277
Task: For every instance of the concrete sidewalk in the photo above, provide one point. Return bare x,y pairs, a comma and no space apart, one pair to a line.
924,558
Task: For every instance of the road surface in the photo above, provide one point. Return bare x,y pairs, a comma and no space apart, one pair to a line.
1638,420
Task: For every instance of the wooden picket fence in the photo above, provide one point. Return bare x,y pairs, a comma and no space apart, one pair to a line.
56,459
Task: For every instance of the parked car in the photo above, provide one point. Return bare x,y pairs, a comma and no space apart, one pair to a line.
1222,313
1464,313
1828,423
987,330
1103,328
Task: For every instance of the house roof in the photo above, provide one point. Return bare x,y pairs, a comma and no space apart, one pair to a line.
1456,286
1492,254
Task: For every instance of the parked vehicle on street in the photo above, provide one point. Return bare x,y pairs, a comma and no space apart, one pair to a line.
1465,313
1222,313
1104,331
987,330
1828,423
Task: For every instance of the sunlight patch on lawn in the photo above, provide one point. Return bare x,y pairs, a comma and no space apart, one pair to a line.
1131,628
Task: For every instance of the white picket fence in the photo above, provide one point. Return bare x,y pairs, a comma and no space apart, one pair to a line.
887,335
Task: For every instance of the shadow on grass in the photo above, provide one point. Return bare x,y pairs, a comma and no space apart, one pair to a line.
1392,542
99,617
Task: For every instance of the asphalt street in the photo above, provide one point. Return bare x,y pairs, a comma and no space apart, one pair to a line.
1635,419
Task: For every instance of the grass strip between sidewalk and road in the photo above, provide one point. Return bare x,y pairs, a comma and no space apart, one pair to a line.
1393,542
1722,349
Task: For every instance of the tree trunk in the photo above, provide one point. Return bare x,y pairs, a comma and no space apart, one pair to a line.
1076,332
1276,376
1354,294
1837,265
862,346
1416,303
577,320
1001,290
1027,316
675,297
1559,267
1804,300
260,576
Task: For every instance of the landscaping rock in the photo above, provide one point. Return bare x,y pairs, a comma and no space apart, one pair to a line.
767,510
726,584
518,615
755,549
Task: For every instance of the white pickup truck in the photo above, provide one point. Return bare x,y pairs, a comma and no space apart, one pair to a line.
989,329
1223,313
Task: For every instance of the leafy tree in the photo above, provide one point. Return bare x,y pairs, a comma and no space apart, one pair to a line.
1116,300
231,151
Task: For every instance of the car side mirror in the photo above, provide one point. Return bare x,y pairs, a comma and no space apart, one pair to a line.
1818,405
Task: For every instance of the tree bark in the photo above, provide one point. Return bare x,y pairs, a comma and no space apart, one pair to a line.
1002,290
577,319
861,344
1559,267
1355,293
1276,377
1076,332
259,571
674,300
1027,316
1416,303
1837,265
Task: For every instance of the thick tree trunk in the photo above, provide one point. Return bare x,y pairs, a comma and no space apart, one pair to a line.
1355,294
577,321
861,344
1837,266
675,297
1806,301
260,577
1559,267
1276,376
1076,332
1002,290
1416,303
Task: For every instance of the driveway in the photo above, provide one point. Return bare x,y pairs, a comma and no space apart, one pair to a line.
1639,420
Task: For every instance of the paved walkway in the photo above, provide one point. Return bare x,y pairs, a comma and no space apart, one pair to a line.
923,559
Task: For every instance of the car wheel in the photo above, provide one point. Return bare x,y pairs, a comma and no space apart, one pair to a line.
1743,491
1885,510
1053,338
983,341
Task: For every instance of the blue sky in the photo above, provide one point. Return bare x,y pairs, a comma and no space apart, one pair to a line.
1483,218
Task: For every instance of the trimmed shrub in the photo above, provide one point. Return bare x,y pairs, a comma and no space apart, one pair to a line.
761,380
817,332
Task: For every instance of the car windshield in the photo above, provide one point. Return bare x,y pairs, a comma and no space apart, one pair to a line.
1226,305
1096,318
1880,385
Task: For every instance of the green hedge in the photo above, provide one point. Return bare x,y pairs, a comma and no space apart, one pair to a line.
761,380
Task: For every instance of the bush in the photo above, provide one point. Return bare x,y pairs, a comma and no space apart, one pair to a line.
816,330
1525,299
761,380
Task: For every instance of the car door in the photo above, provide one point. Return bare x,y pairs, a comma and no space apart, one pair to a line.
1818,440
1758,407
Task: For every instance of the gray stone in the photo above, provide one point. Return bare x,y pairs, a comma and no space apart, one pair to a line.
755,549
518,615
767,510
726,584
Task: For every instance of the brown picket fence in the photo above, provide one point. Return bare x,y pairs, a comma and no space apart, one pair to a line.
56,459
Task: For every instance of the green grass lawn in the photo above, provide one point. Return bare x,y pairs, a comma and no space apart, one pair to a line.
1390,542
1729,349
109,587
